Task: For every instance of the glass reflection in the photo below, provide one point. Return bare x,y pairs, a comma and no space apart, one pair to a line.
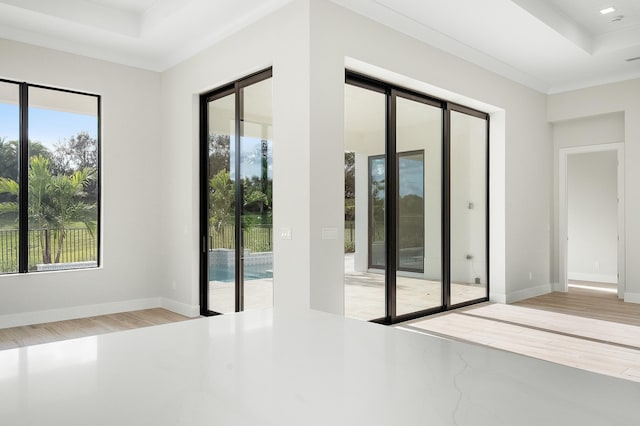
221,191
9,186
256,170
364,259
419,151
468,208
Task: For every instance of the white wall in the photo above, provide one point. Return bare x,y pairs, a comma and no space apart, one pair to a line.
280,40
308,42
150,119
621,97
130,274
519,246
592,181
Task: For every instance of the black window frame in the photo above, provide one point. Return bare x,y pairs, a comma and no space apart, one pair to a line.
23,175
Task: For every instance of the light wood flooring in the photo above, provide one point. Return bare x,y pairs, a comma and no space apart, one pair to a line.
62,330
590,303
583,328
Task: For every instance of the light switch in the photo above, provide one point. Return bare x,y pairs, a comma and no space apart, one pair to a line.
285,233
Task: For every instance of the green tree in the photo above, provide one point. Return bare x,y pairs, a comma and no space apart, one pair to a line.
219,153
9,156
221,200
55,202
77,153
349,186
9,160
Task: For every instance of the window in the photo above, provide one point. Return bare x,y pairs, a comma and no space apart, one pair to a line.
49,178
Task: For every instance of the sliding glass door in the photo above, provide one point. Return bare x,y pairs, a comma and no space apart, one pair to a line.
365,203
236,197
418,140
415,203
468,203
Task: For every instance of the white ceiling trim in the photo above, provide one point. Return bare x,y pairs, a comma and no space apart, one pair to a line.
549,46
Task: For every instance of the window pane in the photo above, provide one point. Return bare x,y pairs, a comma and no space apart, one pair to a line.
419,147
256,165
63,180
365,127
9,156
221,190
468,208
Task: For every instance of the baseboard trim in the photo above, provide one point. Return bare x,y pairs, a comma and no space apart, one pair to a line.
526,293
497,297
632,297
596,278
185,309
75,312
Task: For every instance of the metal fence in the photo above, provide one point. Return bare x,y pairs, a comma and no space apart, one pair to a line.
259,238
349,237
78,245
256,238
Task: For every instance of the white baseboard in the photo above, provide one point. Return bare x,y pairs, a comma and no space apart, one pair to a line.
497,297
596,278
84,311
556,287
190,311
632,297
528,292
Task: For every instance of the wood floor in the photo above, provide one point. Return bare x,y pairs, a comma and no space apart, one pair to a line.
589,303
583,328
61,330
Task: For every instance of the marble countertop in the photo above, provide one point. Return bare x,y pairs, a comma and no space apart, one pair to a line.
297,368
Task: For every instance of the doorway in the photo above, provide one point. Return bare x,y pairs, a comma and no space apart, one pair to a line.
416,203
591,217
236,271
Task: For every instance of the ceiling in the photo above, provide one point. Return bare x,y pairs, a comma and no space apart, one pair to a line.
550,46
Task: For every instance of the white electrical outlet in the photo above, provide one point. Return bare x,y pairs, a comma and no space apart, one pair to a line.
530,276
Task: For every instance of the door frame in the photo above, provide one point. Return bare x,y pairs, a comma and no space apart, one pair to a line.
392,92
234,88
563,213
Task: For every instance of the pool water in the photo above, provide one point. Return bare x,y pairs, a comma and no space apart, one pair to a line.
251,272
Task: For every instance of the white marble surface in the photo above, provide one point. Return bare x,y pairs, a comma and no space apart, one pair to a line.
303,368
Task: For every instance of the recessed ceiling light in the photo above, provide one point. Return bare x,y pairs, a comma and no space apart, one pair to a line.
607,10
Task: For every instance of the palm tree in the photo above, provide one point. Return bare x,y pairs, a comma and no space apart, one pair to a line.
221,197
55,202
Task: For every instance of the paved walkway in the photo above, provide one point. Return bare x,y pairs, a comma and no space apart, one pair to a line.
364,293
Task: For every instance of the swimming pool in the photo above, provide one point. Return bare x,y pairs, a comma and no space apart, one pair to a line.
226,274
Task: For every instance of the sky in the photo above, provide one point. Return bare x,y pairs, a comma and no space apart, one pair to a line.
46,126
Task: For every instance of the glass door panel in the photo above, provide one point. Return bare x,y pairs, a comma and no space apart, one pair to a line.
419,206
221,189
468,208
9,176
364,258
257,200
377,250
